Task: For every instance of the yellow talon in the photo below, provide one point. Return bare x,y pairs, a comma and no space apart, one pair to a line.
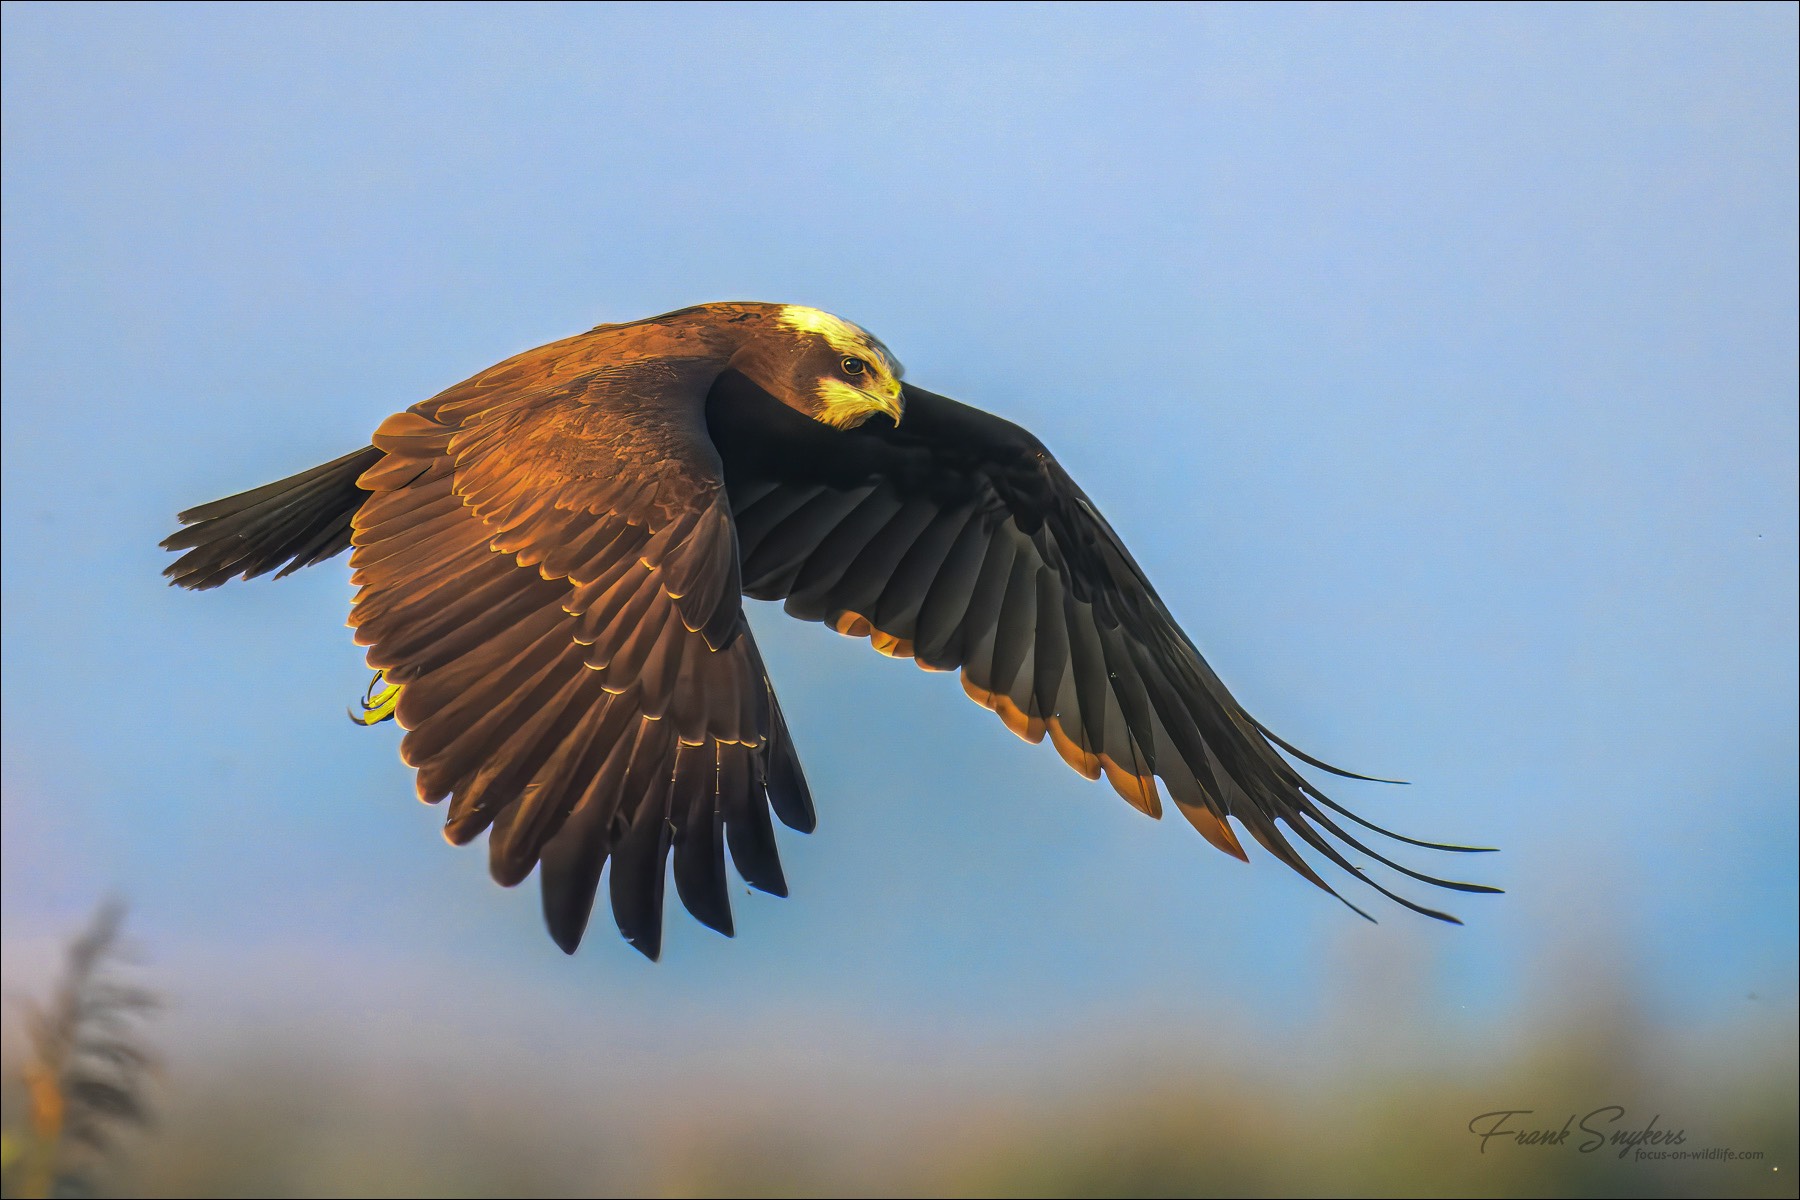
378,706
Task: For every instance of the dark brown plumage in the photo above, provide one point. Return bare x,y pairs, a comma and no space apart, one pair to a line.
550,557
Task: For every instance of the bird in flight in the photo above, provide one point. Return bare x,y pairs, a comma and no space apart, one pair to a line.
550,559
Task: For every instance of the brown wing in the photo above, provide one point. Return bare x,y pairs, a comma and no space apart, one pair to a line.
956,540
547,569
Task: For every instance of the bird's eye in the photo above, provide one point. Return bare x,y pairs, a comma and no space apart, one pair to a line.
853,366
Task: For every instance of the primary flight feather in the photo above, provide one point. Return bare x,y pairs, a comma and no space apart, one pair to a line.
550,559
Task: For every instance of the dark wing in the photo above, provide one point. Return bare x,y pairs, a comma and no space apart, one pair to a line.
956,540
289,524
548,572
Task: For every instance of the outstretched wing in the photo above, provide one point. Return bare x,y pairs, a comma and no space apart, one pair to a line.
955,539
548,573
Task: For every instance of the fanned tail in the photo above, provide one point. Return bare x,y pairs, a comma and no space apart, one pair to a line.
289,524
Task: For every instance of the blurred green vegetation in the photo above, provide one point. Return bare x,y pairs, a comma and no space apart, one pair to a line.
304,1121
1374,1099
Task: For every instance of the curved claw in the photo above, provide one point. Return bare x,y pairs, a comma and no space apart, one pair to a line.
377,706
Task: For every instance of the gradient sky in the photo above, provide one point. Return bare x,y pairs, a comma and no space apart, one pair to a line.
1438,364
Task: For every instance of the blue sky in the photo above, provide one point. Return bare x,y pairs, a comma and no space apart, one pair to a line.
1438,364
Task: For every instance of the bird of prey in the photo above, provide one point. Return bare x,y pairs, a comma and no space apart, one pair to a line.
550,559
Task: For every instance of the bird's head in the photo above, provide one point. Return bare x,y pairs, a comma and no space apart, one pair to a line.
822,366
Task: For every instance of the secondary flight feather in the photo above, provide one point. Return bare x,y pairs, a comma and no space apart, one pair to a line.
550,559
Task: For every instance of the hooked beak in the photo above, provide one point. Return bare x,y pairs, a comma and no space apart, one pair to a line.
846,407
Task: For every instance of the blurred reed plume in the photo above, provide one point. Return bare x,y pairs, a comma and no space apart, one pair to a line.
85,1067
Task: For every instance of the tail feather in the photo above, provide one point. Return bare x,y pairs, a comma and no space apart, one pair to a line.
289,524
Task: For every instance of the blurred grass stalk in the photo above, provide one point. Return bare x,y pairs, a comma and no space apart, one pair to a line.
84,1070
